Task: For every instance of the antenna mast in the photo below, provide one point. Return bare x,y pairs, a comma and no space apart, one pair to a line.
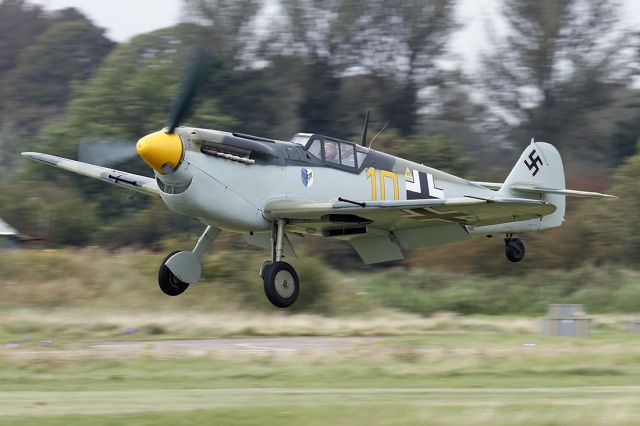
363,140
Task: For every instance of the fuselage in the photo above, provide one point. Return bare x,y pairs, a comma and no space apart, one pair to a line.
226,180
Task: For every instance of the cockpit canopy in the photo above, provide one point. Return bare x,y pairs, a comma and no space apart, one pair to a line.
301,138
334,152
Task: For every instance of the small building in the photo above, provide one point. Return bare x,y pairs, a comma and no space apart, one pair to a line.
567,320
9,237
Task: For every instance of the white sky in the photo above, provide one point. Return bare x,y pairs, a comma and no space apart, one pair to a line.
125,18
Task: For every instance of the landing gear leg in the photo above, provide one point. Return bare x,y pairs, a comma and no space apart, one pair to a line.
514,248
181,268
281,282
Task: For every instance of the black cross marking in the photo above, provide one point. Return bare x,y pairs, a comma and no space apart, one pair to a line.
534,162
431,214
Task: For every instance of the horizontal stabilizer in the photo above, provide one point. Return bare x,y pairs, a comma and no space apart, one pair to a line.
490,185
567,192
542,190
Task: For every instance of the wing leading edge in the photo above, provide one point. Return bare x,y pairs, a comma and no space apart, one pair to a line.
138,183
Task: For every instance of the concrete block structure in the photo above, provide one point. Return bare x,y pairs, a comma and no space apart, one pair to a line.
567,320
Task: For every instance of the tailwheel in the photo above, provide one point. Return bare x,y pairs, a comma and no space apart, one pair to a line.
514,249
281,284
169,283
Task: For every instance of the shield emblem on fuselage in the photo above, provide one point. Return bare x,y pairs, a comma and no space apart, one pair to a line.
307,177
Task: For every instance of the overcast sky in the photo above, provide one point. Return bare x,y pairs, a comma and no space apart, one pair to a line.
126,18
123,18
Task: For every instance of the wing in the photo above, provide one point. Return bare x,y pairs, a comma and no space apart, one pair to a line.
407,214
138,183
377,229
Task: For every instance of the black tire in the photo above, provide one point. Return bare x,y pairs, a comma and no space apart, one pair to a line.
281,284
169,283
514,249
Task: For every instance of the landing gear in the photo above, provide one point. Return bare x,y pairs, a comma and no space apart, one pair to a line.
281,282
169,283
181,268
514,248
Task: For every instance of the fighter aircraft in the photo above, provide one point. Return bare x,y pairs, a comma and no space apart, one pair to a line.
268,190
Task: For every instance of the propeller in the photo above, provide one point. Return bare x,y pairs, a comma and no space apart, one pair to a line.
195,77
161,150
105,152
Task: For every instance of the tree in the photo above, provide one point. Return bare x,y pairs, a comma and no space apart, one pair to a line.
398,41
227,28
39,85
65,49
20,24
613,225
556,73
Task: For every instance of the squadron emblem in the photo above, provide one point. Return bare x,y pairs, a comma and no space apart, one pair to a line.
307,177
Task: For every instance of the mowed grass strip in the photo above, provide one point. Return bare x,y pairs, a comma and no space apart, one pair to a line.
375,406
460,371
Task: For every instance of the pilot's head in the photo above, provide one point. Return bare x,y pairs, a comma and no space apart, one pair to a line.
330,152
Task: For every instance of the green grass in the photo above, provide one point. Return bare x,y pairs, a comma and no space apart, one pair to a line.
127,280
444,376
441,369
373,407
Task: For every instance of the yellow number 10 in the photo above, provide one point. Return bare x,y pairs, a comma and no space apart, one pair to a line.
371,174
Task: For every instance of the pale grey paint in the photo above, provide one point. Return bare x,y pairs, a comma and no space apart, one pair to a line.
376,249
421,237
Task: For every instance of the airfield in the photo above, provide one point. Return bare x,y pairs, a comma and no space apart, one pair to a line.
383,369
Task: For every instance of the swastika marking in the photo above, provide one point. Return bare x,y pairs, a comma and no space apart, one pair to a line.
535,162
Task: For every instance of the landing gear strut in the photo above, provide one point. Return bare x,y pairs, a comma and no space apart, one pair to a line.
514,248
281,282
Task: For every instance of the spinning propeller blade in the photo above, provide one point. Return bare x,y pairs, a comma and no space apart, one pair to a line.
195,77
161,150
105,152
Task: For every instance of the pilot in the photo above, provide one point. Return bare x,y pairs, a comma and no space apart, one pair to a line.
331,152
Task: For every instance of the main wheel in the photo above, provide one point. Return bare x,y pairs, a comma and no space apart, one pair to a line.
514,249
281,284
169,283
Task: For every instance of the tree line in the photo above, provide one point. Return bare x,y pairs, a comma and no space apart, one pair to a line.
561,72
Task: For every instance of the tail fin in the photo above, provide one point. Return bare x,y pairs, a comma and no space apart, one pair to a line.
539,165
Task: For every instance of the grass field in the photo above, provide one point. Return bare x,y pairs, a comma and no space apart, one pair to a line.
409,366
442,370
